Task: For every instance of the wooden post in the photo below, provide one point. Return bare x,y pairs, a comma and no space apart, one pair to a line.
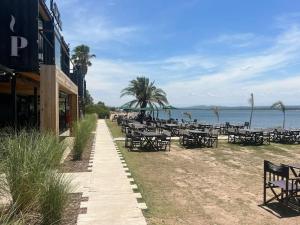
73,101
49,99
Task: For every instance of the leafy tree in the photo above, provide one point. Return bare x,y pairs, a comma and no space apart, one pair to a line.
280,106
216,111
101,110
81,57
101,103
251,102
146,94
88,98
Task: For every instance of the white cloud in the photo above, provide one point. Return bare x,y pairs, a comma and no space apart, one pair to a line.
96,31
232,80
237,40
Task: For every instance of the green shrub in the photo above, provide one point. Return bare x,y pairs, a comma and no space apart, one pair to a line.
29,156
100,109
53,198
82,133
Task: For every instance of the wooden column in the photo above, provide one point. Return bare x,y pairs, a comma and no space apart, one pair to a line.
49,99
73,101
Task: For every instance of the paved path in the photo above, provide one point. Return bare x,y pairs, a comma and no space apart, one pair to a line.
111,199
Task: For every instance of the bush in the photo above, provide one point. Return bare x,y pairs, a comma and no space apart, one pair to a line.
28,158
54,198
100,109
30,161
82,132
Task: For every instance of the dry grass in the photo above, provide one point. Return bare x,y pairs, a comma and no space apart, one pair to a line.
208,186
115,130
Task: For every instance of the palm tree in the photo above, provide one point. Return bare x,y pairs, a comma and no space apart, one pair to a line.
146,94
81,58
251,102
169,112
216,111
280,106
188,114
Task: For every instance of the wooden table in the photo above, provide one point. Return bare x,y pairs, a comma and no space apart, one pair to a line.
172,128
199,136
137,126
150,140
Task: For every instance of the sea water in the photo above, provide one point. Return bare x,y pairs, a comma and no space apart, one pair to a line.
261,118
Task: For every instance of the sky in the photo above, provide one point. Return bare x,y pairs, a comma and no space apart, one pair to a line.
200,52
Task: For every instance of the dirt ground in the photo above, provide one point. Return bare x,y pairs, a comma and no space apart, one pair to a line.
71,166
222,186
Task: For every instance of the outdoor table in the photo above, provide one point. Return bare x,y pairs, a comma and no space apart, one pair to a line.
290,136
137,126
199,135
173,128
238,126
150,140
252,136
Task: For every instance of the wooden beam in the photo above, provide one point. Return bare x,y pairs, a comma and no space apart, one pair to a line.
49,99
65,83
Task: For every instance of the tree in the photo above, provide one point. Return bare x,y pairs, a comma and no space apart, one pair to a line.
216,111
280,106
81,58
101,110
251,102
146,94
169,112
88,98
188,114
101,103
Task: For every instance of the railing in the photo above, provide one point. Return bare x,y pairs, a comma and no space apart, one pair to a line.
48,52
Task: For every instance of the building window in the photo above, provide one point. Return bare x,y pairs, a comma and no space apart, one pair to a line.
41,40
57,52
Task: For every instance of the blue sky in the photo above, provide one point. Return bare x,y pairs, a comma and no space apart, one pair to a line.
213,52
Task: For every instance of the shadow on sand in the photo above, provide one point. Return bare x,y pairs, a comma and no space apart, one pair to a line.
279,210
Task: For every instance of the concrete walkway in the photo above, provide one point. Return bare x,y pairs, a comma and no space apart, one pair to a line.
111,198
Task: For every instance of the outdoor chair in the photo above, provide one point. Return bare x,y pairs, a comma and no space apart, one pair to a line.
136,141
247,125
212,139
232,135
266,138
187,140
164,142
285,190
128,139
151,129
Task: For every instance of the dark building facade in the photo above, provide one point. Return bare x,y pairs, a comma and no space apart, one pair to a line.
37,86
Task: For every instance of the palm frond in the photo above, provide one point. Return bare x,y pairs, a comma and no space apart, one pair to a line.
278,105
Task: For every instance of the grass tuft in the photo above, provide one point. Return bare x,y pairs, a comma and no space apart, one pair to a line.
30,161
53,198
82,132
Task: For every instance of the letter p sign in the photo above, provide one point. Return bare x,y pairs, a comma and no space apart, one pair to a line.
17,43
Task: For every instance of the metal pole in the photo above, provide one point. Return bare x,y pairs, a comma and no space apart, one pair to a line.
35,106
14,101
